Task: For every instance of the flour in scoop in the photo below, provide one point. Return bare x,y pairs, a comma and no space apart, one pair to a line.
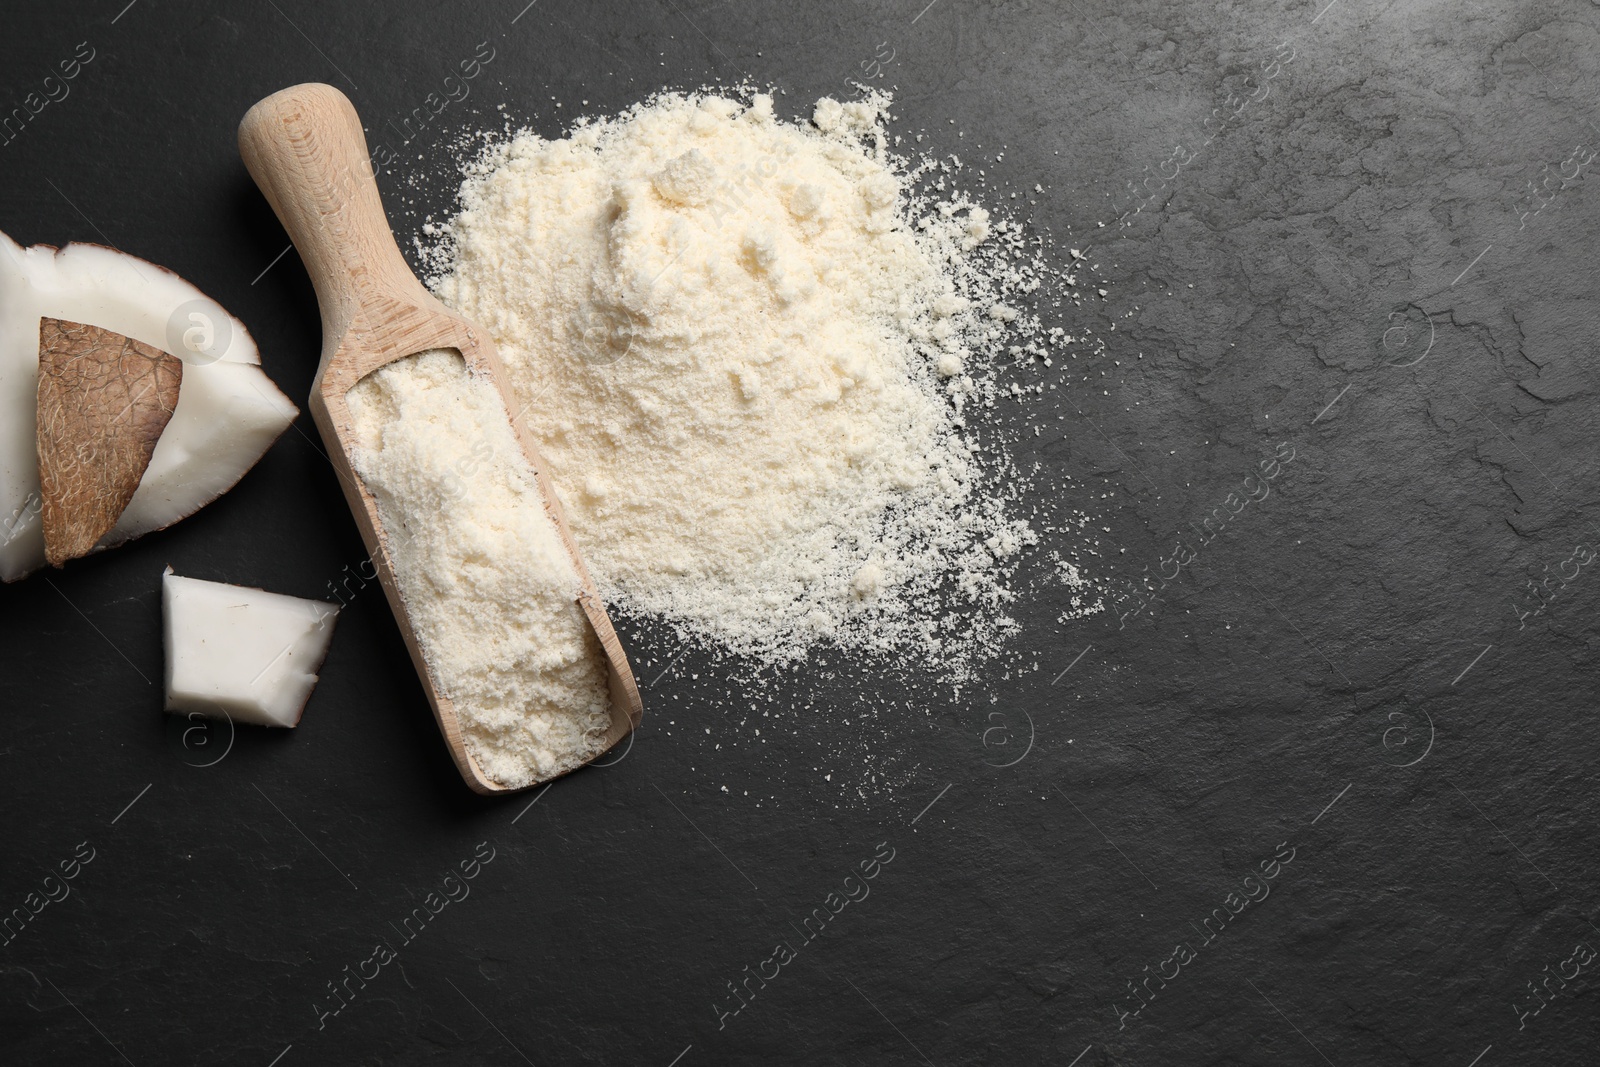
750,352
489,587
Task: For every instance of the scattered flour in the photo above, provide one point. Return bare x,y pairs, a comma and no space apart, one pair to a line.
488,585
749,350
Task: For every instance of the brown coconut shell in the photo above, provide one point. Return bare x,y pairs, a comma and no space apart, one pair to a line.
104,400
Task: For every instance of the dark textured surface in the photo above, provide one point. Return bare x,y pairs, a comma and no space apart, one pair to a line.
1352,636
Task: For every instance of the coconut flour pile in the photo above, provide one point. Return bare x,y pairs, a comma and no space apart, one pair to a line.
749,352
488,585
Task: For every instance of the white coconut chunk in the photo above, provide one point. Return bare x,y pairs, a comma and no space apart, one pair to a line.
243,653
228,411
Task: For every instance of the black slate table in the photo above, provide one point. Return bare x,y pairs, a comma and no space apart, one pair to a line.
1317,788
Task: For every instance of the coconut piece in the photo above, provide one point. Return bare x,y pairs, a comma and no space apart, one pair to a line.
242,653
228,412
103,401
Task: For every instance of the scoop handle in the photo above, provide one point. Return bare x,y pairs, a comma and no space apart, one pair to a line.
304,147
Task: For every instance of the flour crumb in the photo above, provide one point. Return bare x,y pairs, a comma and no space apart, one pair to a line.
489,587
755,354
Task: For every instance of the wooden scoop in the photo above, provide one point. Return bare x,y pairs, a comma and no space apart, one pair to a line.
305,149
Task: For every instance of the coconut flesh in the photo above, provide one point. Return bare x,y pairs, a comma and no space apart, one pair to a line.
226,414
240,653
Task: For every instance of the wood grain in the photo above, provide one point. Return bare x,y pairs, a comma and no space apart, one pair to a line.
305,148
